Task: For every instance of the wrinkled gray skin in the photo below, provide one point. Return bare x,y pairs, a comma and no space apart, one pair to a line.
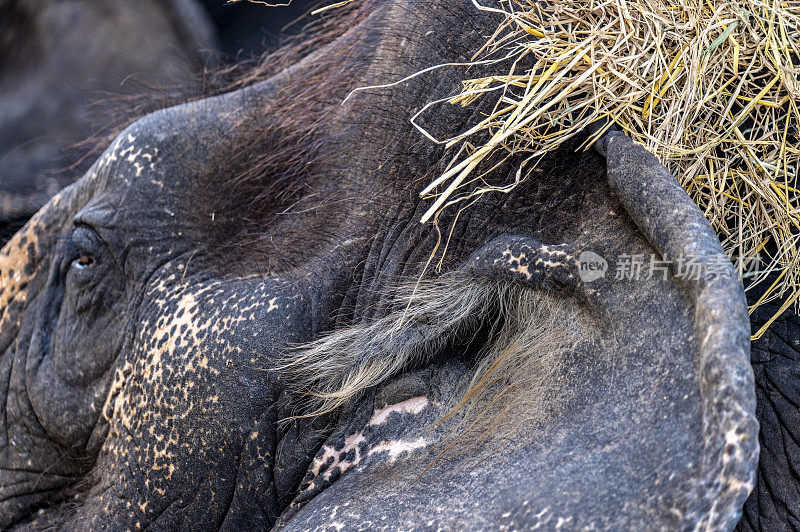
774,503
57,58
138,329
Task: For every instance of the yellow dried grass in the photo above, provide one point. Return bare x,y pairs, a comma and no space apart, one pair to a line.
711,88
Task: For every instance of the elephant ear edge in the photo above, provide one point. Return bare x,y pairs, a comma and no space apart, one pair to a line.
674,226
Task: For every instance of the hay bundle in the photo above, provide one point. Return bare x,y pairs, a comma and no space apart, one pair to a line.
711,88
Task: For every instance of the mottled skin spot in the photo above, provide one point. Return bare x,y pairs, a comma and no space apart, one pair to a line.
397,448
16,265
529,261
374,443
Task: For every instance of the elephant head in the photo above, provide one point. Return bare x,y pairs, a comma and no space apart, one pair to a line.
231,320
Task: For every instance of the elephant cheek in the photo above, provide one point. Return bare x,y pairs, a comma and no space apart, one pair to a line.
69,358
34,467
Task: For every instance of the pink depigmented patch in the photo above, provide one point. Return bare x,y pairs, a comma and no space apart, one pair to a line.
397,447
415,405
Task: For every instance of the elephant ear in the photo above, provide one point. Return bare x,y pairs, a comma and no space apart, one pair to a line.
634,407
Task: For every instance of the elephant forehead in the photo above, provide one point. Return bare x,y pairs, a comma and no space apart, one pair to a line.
131,156
139,188
157,174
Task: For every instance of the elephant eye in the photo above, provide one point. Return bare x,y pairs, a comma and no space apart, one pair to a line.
86,248
84,261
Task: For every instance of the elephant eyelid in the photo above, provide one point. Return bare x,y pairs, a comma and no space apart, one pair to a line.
87,247
85,239
94,236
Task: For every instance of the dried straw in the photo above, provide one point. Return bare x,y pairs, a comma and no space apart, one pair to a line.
711,88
